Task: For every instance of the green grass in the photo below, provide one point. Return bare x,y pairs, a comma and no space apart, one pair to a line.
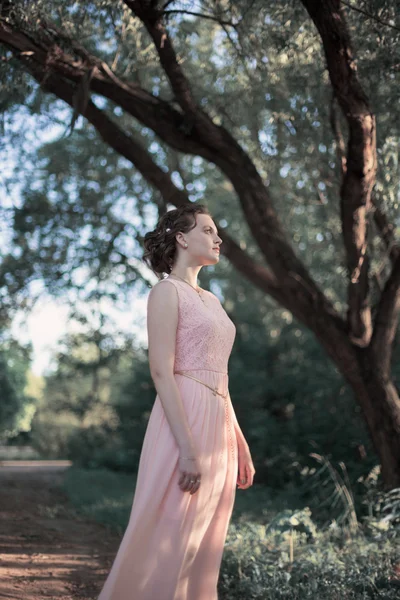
274,549
106,496
101,495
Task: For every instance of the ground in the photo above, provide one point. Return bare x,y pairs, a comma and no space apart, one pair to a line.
46,550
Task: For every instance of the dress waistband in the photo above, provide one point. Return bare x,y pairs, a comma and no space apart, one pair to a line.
209,370
214,390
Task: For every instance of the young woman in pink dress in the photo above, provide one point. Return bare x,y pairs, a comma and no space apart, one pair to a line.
194,452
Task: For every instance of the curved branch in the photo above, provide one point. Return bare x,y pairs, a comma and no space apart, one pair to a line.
386,321
369,15
380,218
361,161
192,13
152,19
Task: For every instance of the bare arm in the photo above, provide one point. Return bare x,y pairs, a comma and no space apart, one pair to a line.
162,322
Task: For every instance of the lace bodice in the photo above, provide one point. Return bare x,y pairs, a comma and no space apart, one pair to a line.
205,333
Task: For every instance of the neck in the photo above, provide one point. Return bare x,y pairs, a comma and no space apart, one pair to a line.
189,274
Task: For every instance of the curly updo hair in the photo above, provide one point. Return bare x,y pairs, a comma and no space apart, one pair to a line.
160,244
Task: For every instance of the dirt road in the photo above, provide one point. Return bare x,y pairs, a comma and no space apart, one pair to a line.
46,550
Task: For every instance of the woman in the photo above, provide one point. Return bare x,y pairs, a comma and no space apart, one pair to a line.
194,452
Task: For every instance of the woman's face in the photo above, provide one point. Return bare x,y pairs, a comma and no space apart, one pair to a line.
203,241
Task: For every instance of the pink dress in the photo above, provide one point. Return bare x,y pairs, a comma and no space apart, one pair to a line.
172,547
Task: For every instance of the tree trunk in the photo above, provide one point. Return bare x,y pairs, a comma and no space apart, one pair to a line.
380,403
378,399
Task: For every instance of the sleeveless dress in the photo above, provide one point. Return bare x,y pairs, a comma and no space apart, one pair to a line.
173,545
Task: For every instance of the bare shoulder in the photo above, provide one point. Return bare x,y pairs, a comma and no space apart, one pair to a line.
163,294
162,324
162,310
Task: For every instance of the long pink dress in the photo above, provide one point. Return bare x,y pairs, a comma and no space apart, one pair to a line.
172,547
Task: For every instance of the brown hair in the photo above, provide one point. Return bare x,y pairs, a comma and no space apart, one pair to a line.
160,244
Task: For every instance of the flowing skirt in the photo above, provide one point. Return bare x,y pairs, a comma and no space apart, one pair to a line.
173,545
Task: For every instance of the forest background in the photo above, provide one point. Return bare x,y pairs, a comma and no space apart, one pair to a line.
103,131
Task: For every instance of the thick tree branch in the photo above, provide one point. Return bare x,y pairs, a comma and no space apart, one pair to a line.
387,314
361,163
136,153
338,137
386,321
152,20
381,221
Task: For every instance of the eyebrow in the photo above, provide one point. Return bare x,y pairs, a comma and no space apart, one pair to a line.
210,227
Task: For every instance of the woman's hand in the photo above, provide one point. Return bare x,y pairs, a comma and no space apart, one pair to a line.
190,478
246,470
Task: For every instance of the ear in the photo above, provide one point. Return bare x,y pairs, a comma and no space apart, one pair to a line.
179,238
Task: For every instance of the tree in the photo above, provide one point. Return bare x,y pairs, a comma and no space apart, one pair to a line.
360,338
16,407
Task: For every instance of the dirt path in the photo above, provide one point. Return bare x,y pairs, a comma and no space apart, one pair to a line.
46,549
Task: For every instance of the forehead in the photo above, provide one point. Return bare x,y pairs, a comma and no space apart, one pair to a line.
204,220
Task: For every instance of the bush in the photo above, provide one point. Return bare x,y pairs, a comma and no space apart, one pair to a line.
51,434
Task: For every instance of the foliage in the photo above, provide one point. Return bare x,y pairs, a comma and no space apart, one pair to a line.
254,567
257,562
383,506
281,528
79,200
96,402
16,406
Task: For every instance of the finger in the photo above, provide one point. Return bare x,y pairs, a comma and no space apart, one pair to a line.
245,477
195,488
242,472
185,483
252,473
188,483
196,483
184,473
249,476
192,485
196,478
182,480
242,477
